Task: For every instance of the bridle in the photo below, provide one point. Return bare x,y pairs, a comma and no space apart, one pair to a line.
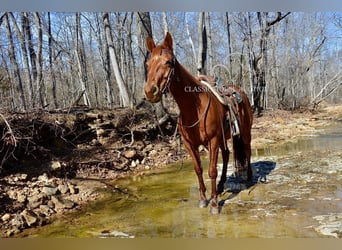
170,75
172,64
166,87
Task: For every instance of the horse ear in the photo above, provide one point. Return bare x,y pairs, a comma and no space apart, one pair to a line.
150,44
168,41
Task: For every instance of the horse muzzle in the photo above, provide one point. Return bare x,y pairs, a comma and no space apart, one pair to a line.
153,94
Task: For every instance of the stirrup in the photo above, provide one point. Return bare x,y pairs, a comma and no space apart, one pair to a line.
235,128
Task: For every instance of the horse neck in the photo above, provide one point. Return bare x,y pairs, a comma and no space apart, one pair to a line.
183,87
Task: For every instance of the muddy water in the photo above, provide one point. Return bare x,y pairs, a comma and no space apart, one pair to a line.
298,194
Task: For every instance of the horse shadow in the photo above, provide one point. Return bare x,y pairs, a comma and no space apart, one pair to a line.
235,184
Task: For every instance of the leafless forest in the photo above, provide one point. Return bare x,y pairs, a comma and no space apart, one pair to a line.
56,60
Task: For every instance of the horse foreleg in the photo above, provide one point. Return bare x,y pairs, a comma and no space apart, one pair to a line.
212,172
194,153
225,159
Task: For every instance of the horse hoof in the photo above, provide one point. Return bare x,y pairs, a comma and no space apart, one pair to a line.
202,204
214,210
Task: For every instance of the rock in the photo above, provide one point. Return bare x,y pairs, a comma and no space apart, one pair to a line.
17,205
107,234
149,147
153,153
43,178
49,190
63,188
50,204
6,217
73,189
54,166
130,154
30,217
46,210
17,222
12,231
61,203
37,200
12,194
133,164
23,177
21,197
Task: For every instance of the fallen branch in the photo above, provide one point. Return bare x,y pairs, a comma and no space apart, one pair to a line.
9,139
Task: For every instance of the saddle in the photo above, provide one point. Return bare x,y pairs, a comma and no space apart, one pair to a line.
229,97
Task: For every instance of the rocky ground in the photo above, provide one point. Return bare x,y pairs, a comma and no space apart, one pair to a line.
54,163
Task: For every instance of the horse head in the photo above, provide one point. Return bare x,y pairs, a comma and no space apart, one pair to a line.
160,68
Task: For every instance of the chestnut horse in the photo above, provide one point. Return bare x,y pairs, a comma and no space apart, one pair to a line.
201,118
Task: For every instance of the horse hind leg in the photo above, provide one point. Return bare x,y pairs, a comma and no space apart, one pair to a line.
225,160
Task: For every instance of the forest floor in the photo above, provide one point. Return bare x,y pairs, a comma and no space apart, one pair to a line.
54,163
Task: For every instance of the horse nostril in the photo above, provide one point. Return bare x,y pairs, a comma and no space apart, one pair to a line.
155,90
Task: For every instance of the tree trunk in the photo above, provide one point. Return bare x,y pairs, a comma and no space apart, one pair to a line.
33,58
21,37
131,60
121,84
229,38
202,45
209,44
145,30
258,64
39,63
14,62
52,71
81,60
105,61
166,28
190,38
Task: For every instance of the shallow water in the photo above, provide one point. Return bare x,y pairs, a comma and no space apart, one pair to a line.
298,194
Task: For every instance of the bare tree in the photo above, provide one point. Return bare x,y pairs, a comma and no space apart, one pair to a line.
51,56
202,45
282,60
81,59
209,44
39,62
258,60
14,62
229,39
119,79
190,38
21,36
165,25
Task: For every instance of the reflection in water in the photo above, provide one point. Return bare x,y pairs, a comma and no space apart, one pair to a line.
290,189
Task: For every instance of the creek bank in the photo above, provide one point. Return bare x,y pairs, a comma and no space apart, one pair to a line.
55,162
105,147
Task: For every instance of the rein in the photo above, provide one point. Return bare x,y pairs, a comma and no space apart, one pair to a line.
199,119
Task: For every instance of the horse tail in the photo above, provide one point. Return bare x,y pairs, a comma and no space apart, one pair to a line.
240,161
